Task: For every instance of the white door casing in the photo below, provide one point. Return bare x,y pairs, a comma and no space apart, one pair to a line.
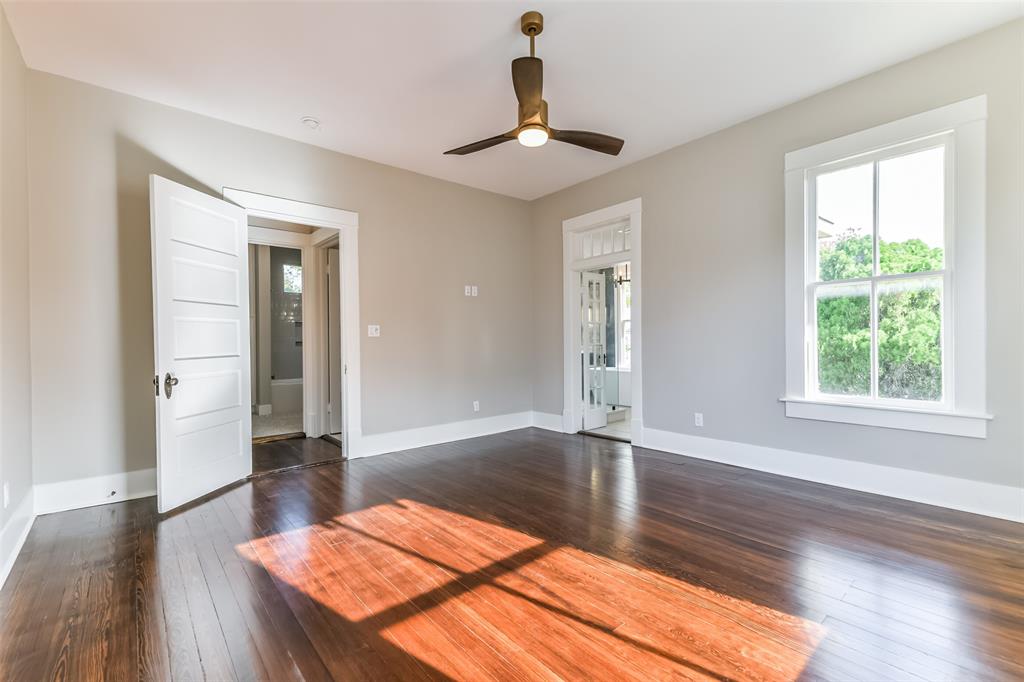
594,344
334,224
201,338
592,241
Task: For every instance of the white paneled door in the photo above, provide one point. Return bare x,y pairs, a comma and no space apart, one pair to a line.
595,349
201,334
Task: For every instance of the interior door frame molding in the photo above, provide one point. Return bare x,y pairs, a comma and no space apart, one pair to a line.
628,212
333,223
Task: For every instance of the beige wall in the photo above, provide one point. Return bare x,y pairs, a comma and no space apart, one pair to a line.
421,240
713,309
713,279
15,385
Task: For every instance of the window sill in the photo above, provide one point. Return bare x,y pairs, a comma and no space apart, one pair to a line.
909,419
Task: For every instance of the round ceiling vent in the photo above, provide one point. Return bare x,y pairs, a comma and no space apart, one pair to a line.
311,123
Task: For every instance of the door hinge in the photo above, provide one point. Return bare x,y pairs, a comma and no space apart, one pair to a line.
156,384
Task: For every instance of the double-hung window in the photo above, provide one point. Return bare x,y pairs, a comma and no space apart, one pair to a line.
623,309
885,275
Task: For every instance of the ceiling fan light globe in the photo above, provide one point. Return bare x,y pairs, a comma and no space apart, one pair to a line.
532,136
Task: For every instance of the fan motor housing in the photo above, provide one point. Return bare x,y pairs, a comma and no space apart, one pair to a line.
534,117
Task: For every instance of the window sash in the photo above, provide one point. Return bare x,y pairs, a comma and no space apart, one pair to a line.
624,358
813,283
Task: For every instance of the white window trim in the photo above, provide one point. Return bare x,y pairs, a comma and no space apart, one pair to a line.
617,325
963,412
620,304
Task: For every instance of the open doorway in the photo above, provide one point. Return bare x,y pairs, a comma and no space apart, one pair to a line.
285,432
606,319
602,377
300,343
275,333
201,327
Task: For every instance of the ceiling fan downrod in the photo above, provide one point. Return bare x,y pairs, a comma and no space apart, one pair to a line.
532,24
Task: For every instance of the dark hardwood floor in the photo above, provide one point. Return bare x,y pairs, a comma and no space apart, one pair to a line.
526,555
294,452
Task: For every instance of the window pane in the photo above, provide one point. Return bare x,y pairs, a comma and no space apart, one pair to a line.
911,210
910,339
292,279
844,339
845,223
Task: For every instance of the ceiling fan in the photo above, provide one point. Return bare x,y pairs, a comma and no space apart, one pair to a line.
533,129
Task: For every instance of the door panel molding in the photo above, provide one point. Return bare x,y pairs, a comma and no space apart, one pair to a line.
204,425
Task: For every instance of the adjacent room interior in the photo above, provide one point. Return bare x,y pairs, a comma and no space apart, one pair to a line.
607,341
477,341
291,302
275,308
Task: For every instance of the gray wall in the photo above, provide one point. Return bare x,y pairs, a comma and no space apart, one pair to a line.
713,306
713,294
285,317
15,383
421,239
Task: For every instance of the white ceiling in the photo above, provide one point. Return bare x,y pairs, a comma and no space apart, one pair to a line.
400,83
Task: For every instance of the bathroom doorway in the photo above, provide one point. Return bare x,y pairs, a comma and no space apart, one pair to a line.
275,324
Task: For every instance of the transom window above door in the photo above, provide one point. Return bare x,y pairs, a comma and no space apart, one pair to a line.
885,275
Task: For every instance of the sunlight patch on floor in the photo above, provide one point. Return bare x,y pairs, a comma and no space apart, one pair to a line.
433,583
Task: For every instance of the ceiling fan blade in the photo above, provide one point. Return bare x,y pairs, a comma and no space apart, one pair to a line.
606,144
481,144
528,81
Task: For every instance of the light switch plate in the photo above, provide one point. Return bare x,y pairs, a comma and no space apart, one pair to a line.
698,419
474,290
469,290
373,330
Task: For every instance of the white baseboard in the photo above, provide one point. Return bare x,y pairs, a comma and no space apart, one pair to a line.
89,492
394,441
545,420
636,432
14,533
989,499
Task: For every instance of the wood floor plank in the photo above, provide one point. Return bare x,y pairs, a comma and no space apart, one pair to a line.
150,630
267,606
520,556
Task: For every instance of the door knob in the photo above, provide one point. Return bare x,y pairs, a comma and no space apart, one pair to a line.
169,383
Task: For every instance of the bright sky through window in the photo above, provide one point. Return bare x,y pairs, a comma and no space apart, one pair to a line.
910,202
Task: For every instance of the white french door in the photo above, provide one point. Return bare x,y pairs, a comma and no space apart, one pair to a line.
595,348
201,336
